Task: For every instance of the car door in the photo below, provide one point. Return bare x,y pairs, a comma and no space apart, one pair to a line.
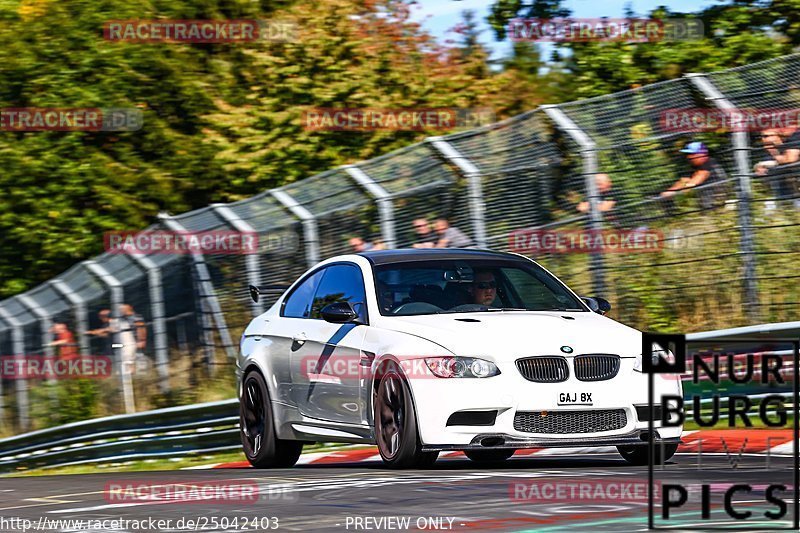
325,357
295,313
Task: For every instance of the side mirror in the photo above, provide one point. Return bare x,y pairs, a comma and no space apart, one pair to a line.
339,313
598,305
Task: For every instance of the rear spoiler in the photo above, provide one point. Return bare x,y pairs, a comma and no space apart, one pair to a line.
256,291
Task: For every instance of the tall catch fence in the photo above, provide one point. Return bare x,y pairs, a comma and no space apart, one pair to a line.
725,252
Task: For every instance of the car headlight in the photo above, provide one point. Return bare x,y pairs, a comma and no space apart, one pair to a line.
658,353
461,367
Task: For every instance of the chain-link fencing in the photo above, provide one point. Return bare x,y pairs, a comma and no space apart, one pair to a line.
720,236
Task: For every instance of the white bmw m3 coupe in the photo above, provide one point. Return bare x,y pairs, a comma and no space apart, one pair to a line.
419,351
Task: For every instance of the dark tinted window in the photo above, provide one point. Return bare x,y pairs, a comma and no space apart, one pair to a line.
465,286
341,283
298,305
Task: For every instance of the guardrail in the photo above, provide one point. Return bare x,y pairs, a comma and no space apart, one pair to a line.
204,427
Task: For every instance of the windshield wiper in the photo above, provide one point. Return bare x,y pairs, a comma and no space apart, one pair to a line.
507,309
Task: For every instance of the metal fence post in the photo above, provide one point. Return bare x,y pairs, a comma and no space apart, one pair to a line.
207,293
79,308
473,175
116,296
740,142
589,155
309,221
21,385
382,198
156,287
44,319
47,336
252,262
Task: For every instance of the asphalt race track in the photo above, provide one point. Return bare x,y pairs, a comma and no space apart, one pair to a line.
454,495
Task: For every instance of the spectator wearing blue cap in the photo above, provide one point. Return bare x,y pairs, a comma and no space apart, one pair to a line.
707,174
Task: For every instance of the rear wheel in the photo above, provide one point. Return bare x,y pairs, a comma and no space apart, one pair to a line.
488,456
261,447
640,455
396,425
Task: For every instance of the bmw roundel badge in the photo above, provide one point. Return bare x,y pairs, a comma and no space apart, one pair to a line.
566,349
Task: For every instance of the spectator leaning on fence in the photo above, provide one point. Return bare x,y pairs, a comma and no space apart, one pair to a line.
605,195
782,170
426,237
706,172
104,331
449,236
64,341
360,245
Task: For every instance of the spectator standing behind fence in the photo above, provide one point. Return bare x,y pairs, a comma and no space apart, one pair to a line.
133,330
426,237
785,150
449,236
104,331
64,341
360,245
706,172
605,195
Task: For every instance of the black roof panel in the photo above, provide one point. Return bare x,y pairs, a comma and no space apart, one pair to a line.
383,257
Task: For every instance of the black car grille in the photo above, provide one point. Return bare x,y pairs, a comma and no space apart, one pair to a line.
544,369
596,367
560,422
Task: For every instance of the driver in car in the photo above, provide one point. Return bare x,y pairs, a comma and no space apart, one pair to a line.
484,288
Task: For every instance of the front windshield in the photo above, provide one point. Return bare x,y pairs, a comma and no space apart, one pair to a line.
464,286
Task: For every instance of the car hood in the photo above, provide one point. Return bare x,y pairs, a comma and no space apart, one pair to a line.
509,335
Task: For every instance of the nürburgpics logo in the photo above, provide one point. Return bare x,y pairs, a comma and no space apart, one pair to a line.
24,119
723,384
406,119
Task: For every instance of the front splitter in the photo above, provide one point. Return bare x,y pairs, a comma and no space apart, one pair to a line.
500,441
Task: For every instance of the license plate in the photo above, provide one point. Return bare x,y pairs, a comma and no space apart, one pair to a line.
575,398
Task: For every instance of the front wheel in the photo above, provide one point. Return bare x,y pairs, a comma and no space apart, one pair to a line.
640,455
396,431
260,444
488,456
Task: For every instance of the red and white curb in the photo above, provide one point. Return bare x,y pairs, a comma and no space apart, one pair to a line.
733,441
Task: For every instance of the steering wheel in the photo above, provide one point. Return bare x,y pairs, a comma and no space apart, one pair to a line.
469,307
416,307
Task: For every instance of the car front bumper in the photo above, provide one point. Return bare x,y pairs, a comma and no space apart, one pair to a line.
509,393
